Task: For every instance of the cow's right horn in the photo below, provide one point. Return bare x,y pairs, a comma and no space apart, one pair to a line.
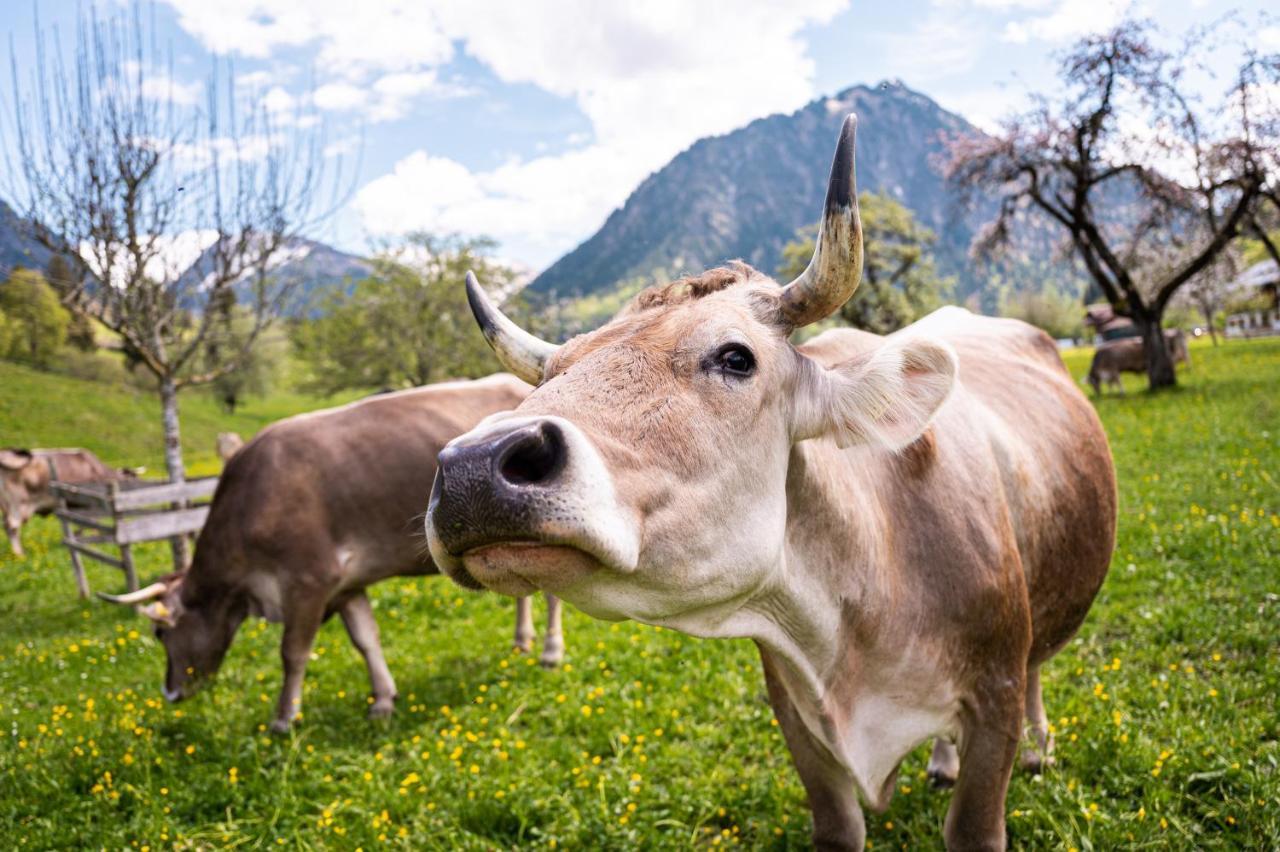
836,267
147,593
518,350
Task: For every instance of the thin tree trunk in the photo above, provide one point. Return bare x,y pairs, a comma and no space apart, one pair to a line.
1159,365
173,456
1208,319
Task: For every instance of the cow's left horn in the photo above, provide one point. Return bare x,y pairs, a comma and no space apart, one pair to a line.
836,267
146,593
518,350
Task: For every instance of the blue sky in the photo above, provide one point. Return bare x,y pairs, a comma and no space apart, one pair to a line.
531,121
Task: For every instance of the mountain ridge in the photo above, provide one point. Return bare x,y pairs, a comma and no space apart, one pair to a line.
745,193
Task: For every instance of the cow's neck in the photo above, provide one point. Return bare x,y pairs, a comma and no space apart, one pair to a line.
824,621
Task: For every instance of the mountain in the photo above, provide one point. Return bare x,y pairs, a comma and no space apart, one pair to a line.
311,267
17,247
744,194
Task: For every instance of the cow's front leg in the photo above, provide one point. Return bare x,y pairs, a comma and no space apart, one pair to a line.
14,531
991,725
357,615
833,801
301,622
524,625
553,640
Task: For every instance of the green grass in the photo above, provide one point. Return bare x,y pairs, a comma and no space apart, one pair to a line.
1165,708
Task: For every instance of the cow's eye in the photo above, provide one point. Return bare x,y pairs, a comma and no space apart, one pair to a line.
735,359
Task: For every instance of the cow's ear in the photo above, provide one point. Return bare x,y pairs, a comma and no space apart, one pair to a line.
886,396
165,611
11,459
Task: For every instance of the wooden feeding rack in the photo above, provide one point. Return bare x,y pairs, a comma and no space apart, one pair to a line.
122,514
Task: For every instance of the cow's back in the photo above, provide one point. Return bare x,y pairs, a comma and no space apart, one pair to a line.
351,481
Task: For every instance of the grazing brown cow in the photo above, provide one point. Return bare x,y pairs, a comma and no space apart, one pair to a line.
908,527
309,513
24,483
1126,355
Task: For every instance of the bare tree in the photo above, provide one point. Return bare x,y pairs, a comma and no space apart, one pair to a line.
1149,185
114,170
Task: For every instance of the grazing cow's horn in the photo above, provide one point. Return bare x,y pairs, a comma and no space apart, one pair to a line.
518,350
836,268
147,593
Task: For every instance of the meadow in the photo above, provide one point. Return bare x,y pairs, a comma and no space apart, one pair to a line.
1164,708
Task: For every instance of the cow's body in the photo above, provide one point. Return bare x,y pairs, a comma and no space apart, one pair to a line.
24,483
996,524
307,515
908,527
1126,355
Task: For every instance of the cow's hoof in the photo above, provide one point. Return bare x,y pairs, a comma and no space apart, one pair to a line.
280,726
1033,762
381,709
940,779
552,655
522,647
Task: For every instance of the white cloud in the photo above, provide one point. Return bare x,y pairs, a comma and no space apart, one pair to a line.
650,78
158,85
1069,19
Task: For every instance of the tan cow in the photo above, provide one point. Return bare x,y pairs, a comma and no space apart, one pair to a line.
228,444
1127,355
908,527
306,516
24,483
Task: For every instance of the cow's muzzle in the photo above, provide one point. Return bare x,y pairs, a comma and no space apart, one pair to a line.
521,504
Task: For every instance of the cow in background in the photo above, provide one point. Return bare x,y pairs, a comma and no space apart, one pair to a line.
307,515
1126,355
227,445
24,483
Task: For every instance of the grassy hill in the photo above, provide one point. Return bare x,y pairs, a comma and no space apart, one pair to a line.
1166,708
122,423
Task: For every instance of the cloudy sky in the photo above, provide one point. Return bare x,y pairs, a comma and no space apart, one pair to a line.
531,121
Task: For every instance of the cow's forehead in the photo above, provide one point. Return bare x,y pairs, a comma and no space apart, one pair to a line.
749,308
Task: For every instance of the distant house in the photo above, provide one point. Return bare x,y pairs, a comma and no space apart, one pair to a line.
1261,278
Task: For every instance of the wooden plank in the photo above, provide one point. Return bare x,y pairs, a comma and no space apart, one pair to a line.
167,492
161,525
83,493
101,522
76,547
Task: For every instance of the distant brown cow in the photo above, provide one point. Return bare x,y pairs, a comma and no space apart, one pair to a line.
306,516
25,477
1127,356
227,445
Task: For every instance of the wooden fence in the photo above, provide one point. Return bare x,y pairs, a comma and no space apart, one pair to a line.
121,514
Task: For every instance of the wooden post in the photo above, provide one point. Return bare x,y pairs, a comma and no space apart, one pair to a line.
126,551
68,534
82,582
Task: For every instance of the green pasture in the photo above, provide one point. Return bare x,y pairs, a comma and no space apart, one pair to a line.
1165,707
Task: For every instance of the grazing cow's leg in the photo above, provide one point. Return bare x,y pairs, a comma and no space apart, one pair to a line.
361,626
14,532
944,763
837,816
553,641
524,625
988,746
1037,753
301,622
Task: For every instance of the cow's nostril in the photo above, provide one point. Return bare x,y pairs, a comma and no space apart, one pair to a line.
535,457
